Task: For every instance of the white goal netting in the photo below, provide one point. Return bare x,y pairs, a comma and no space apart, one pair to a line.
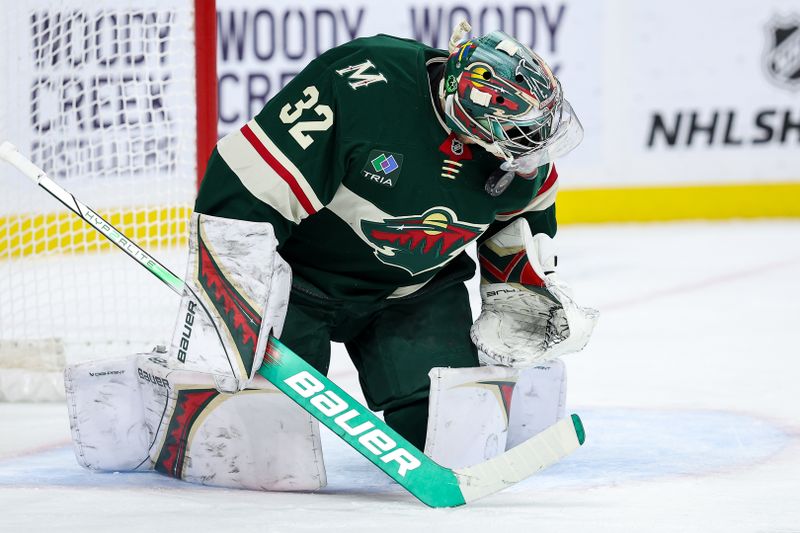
101,95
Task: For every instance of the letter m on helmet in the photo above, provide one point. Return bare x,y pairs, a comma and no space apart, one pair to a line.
358,75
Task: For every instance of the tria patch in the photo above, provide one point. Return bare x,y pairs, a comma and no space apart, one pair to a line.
419,243
383,167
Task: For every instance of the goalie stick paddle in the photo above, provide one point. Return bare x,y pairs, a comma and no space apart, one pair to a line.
428,481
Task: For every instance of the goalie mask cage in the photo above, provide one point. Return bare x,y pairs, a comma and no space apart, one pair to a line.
116,101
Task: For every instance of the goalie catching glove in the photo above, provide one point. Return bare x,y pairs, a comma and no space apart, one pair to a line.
528,313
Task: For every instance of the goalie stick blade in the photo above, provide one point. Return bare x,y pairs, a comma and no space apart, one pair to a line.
433,484
522,461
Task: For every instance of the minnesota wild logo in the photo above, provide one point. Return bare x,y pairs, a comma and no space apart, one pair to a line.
419,243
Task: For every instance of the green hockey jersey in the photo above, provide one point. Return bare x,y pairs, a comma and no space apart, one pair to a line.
370,194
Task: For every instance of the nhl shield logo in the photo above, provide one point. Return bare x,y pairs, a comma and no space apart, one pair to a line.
782,54
457,146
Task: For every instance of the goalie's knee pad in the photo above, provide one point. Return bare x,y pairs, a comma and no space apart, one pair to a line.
478,413
136,414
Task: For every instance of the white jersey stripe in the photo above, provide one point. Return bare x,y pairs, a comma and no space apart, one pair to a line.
287,164
265,182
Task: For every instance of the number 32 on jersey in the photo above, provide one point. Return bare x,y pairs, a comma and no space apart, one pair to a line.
290,114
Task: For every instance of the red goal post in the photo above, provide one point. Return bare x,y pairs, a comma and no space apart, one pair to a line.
205,32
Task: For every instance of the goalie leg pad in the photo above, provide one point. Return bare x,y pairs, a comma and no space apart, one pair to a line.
539,401
237,293
185,428
106,416
257,439
468,414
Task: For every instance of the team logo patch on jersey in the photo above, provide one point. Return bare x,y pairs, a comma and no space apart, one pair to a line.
383,168
419,243
362,74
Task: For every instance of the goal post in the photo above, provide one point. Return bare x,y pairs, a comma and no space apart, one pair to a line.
116,100
206,89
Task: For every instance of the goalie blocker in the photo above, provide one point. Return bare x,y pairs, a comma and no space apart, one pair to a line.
237,294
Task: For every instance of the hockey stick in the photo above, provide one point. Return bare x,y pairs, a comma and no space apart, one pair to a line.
430,482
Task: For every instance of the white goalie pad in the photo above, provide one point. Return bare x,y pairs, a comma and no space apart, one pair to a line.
236,294
106,415
475,414
539,401
468,414
137,414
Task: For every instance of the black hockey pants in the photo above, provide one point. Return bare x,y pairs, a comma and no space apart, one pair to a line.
393,345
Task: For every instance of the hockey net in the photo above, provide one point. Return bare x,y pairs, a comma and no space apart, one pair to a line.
112,98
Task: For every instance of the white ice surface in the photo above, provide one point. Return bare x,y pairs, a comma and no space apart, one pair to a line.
688,390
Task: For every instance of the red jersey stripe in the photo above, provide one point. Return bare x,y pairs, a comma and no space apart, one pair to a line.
279,169
548,183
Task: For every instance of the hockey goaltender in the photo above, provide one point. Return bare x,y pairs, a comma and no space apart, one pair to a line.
342,212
